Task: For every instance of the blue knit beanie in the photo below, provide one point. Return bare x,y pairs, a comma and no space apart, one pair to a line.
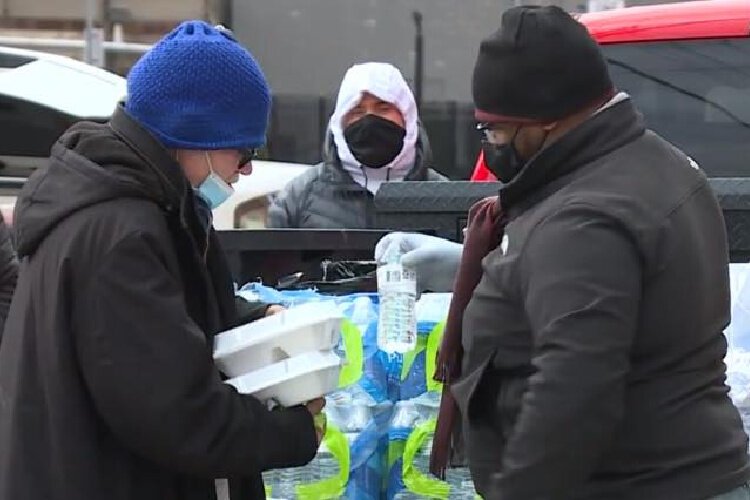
197,88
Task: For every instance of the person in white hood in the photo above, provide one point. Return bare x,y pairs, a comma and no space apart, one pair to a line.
374,136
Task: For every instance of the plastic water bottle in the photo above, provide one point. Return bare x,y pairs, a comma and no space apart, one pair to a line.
408,415
738,378
422,465
422,459
742,403
325,465
462,486
269,480
284,484
407,495
397,287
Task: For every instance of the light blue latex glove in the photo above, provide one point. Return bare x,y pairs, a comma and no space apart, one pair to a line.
435,260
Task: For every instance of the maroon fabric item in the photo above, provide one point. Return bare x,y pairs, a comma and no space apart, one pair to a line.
483,234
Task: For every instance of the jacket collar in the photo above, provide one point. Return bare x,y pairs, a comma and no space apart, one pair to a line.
174,183
211,308
609,129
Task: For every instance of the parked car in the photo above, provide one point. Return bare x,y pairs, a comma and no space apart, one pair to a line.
686,66
40,96
248,206
43,94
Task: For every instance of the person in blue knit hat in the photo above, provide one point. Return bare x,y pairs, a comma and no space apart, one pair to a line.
108,388
203,96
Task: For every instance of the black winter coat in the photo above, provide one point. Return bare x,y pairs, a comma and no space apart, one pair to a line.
108,386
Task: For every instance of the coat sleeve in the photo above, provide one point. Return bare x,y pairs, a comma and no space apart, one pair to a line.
283,211
581,283
151,377
8,272
248,311
286,210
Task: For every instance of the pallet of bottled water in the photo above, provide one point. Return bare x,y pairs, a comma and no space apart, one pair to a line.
410,442
363,437
349,462
460,484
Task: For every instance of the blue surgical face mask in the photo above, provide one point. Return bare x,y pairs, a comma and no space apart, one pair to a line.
214,189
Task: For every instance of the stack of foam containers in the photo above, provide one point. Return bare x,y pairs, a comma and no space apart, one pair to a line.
287,358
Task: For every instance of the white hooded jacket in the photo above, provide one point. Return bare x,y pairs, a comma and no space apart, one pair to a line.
385,82
339,192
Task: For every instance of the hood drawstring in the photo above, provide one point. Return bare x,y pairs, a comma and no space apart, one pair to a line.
367,179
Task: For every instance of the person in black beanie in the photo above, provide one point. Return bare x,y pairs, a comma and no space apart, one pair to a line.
540,68
593,343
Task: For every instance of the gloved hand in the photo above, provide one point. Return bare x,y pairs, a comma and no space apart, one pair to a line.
435,260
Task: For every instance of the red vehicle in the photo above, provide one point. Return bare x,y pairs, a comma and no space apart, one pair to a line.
687,67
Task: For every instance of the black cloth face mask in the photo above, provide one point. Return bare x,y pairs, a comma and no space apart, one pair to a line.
374,141
503,159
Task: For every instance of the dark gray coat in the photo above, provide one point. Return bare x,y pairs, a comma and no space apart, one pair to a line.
326,196
594,341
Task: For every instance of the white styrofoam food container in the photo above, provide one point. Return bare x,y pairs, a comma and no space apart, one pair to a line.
314,326
293,381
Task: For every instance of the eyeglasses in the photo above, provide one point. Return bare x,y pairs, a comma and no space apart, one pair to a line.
491,132
246,156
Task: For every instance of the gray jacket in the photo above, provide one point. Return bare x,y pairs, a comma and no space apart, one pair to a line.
326,196
593,344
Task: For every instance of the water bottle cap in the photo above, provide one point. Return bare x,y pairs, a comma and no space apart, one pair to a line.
392,255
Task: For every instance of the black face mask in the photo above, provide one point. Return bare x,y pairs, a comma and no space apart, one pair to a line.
374,141
503,160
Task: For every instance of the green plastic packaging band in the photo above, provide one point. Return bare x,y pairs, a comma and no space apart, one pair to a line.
410,356
352,370
395,451
332,487
434,339
416,482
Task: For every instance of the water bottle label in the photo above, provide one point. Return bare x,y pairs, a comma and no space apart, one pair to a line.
395,278
397,324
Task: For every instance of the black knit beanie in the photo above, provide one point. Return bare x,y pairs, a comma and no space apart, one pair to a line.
540,66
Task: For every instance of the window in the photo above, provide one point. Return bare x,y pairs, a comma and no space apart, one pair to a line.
696,94
12,61
29,130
